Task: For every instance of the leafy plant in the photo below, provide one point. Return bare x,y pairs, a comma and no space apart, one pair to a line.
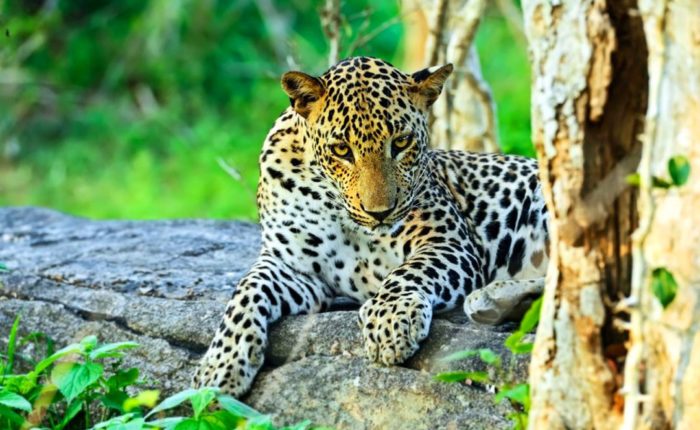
678,171
507,387
84,382
65,386
663,285
231,414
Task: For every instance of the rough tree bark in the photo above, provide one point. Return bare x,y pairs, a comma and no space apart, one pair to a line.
588,99
442,31
662,373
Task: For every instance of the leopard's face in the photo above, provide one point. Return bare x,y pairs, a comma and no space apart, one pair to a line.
369,138
369,132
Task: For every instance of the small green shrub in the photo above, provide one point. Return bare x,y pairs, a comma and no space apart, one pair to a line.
85,386
507,387
678,172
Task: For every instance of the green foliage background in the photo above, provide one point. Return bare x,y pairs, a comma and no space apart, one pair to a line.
128,109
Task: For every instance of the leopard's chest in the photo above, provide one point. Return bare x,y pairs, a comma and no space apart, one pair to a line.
369,261
353,263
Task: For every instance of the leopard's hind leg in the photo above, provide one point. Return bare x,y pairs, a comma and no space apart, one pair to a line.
503,300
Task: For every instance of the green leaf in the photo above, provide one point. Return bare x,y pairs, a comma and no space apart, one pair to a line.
167,423
115,399
263,422
197,424
21,384
123,378
522,348
3,268
532,316
633,179
519,394
519,420
11,345
48,361
123,422
461,355
201,400
137,424
489,357
174,400
147,398
121,419
11,415
70,413
485,354
111,350
237,407
514,342
223,419
459,376
663,285
88,343
73,378
14,401
657,182
679,169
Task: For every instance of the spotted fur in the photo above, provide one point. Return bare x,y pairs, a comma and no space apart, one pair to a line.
352,202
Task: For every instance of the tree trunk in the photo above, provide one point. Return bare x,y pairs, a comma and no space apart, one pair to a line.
588,98
664,359
443,31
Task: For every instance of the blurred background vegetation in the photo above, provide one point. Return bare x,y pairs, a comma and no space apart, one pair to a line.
157,109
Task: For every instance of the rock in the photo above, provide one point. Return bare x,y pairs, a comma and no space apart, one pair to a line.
164,284
350,394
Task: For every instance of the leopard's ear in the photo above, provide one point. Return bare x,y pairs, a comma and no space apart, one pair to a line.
427,84
303,91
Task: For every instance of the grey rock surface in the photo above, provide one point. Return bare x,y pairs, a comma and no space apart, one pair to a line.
164,284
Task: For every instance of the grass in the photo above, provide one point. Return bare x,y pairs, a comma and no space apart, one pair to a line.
128,178
101,152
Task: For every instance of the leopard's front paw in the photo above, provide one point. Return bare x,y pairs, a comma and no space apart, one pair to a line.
393,325
228,366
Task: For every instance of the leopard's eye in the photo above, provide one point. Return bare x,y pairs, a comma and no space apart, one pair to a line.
342,150
400,143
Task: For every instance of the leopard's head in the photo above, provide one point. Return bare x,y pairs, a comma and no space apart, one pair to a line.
367,122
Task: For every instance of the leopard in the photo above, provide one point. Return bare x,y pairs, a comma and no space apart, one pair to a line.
354,203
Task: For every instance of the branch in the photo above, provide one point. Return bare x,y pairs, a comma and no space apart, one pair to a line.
330,22
488,105
594,206
462,52
514,19
276,24
361,41
437,23
463,37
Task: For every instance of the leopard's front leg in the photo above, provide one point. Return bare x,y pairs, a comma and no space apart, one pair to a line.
270,290
398,318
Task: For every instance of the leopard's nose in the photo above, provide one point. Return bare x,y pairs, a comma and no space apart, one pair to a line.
379,215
